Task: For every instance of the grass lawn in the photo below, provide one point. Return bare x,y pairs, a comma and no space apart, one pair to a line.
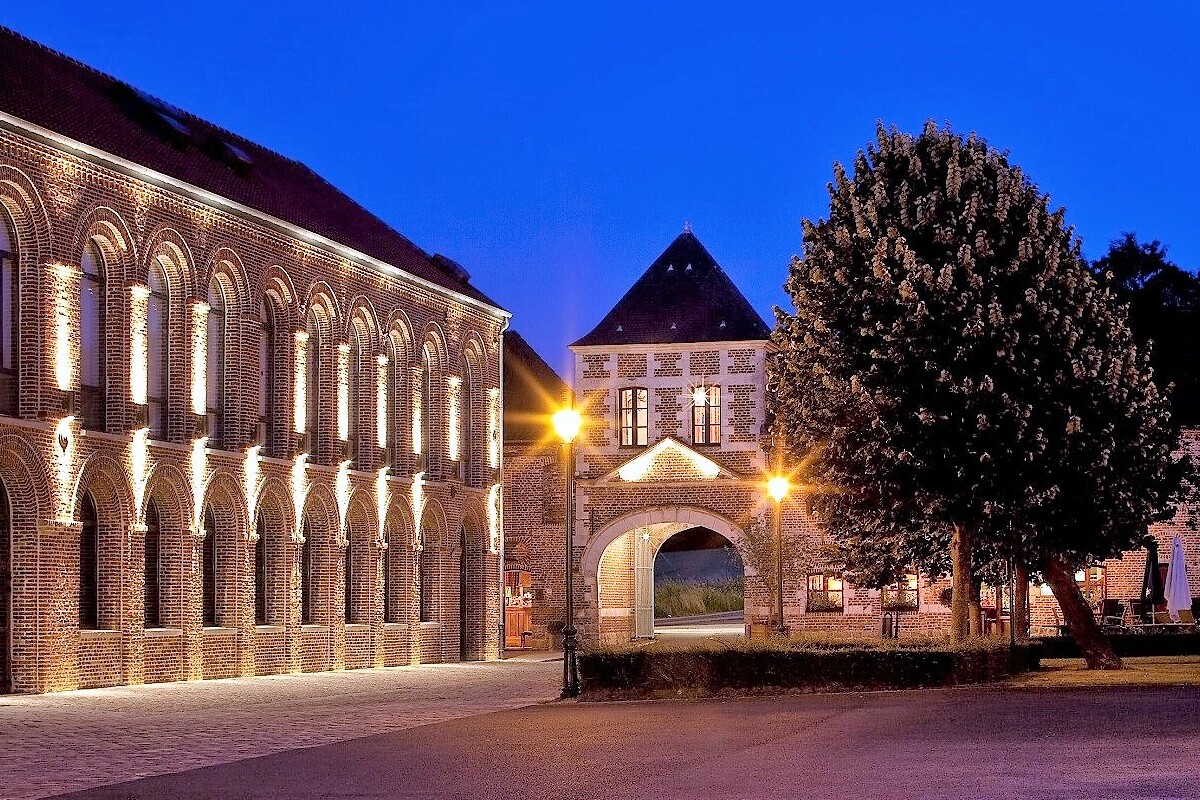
1064,673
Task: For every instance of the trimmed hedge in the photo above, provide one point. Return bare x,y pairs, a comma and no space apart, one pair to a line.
660,672
1128,645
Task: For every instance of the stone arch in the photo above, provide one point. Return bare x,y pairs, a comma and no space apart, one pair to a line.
32,238
167,487
685,516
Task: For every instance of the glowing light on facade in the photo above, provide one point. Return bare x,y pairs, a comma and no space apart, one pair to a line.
639,468
139,294
200,311
418,504
299,488
453,411
64,444
493,516
252,469
381,400
139,459
343,391
199,466
417,413
300,384
341,492
494,428
381,505
64,357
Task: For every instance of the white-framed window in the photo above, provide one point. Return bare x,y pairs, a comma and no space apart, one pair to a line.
902,595
825,592
706,415
633,416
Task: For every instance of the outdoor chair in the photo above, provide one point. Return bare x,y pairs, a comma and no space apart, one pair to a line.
1112,616
1164,624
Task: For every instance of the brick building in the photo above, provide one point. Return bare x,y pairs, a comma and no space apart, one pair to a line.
245,426
675,445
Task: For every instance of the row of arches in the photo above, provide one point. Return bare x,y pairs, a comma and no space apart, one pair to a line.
376,577
294,369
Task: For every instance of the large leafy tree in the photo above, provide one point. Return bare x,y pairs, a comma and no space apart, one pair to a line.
960,385
1164,309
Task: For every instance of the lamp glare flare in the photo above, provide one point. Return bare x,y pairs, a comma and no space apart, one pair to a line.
778,487
567,422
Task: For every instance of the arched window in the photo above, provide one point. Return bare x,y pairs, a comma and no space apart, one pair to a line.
9,312
157,371
426,411
89,565
466,421
398,390
208,568
355,384
314,354
425,565
348,586
389,604
307,578
5,591
260,573
268,391
91,337
151,598
216,366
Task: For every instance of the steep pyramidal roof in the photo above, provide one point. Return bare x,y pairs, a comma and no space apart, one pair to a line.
55,92
684,297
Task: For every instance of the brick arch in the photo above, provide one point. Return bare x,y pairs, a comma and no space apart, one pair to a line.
167,487
319,524
362,555
103,479
273,497
399,560
224,500
400,326
169,243
168,248
479,576
108,228
322,295
273,508
226,265
27,491
33,239
433,523
223,491
101,473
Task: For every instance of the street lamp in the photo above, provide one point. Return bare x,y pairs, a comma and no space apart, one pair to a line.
567,423
778,487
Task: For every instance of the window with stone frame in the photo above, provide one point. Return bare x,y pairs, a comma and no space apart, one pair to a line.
901,595
8,319
706,415
633,416
825,592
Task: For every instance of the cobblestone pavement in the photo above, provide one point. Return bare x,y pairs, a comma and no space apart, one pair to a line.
76,740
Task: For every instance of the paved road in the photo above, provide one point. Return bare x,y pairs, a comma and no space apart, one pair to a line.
727,625
928,745
62,742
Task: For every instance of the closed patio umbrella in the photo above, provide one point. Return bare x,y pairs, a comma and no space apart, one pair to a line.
1179,594
1152,584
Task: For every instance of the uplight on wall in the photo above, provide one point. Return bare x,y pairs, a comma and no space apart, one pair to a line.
64,356
299,488
251,470
200,311
343,391
64,446
139,458
417,412
453,403
341,492
381,502
494,428
381,400
139,294
493,515
418,505
300,383
199,466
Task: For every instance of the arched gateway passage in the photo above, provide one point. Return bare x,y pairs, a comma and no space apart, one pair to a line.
619,565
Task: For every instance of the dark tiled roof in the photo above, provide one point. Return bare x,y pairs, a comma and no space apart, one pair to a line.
684,297
532,391
47,88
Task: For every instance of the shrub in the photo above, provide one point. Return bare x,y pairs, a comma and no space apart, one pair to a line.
814,665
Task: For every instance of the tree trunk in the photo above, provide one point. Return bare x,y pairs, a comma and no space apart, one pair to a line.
1077,615
1020,603
975,611
960,586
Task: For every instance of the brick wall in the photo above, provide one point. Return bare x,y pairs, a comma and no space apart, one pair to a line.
55,204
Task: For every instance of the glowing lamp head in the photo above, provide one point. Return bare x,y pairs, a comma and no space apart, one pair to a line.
778,487
567,423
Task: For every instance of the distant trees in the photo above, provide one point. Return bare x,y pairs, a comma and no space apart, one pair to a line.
964,390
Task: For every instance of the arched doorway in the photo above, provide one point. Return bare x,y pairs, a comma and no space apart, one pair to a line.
619,565
699,585
5,592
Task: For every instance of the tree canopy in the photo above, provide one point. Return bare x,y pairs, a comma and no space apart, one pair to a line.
952,364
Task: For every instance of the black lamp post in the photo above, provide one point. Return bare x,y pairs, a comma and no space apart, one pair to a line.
567,422
778,487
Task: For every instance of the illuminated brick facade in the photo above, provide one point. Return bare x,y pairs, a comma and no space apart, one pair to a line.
196,515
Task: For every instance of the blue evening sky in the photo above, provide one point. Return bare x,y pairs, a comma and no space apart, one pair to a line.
555,149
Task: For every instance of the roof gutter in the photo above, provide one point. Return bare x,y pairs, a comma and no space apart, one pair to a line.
134,170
